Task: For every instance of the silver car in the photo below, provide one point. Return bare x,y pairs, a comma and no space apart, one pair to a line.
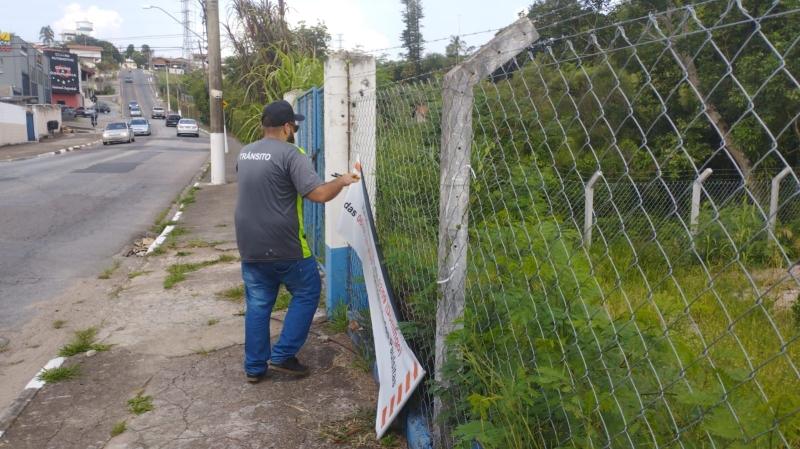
117,132
140,127
188,126
136,112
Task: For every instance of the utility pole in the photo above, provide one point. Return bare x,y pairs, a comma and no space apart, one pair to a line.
215,94
169,108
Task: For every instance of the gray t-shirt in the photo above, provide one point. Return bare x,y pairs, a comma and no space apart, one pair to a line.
274,176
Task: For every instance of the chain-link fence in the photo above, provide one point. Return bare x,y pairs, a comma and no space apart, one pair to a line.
630,275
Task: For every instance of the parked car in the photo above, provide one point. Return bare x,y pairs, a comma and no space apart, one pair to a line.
172,120
90,111
158,112
188,126
103,107
136,112
80,112
140,127
67,113
117,132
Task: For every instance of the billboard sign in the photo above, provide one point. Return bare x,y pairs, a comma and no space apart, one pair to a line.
64,72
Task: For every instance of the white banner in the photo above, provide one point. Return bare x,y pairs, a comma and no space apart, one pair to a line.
399,372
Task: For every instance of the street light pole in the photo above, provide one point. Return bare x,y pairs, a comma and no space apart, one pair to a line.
215,94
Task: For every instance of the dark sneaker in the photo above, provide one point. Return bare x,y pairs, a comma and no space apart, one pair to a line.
290,366
254,379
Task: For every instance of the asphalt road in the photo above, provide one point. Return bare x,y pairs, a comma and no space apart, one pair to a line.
63,217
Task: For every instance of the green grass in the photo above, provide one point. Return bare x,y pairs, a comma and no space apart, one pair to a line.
183,253
136,274
58,324
108,272
189,197
236,295
233,294
84,340
339,321
159,228
358,430
60,374
177,272
212,321
119,428
226,258
140,404
283,300
159,223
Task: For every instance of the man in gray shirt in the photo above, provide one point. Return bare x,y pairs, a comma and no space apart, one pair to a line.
274,177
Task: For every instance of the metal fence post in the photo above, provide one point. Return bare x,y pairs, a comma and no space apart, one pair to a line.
588,210
455,170
773,197
697,186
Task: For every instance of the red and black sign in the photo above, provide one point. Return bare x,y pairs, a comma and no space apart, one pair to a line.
64,75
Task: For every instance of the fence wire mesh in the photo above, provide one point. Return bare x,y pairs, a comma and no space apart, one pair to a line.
660,333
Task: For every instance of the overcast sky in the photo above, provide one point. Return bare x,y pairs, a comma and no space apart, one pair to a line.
367,24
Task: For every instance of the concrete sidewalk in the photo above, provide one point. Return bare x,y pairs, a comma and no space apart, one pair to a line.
174,321
49,145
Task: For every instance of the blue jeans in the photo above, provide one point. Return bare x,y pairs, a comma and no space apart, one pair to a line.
262,281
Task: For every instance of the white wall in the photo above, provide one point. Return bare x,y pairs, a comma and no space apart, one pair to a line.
12,124
43,113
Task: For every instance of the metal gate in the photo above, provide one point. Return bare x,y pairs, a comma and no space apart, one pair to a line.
310,137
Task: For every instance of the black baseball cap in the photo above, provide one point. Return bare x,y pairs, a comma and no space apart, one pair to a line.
279,113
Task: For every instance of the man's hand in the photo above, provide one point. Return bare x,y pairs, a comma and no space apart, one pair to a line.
329,190
348,178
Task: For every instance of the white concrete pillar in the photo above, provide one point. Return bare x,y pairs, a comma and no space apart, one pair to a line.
337,160
697,186
588,210
349,135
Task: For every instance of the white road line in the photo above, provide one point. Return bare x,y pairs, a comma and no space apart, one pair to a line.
163,236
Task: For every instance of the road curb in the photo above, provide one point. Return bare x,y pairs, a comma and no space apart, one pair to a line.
25,397
56,152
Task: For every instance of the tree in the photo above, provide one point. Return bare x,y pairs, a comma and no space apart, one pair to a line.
412,35
47,35
129,51
147,53
457,48
312,40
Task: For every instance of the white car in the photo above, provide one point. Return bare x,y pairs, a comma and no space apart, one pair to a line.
188,126
140,127
117,132
136,112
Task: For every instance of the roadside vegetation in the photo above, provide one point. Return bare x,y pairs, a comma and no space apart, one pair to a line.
82,341
140,404
177,272
60,374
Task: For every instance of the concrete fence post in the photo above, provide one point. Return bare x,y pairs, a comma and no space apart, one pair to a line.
774,195
349,127
457,103
588,210
697,186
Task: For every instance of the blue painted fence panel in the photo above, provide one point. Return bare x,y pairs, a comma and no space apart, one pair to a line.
310,137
